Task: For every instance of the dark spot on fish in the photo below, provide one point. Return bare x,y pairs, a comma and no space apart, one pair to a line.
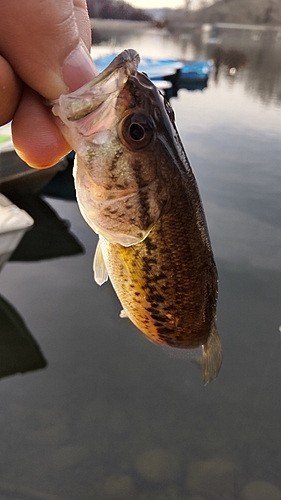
153,310
157,317
164,331
115,160
155,305
146,267
160,276
149,260
158,325
150,246
156,298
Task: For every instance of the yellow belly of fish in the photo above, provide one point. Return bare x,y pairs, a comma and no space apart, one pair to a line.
161,290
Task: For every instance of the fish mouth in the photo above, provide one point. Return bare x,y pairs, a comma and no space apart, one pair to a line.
127,61
91,111
106,85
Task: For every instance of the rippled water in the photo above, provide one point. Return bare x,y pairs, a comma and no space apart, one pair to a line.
113,416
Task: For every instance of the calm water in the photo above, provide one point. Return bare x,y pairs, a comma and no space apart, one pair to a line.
113,416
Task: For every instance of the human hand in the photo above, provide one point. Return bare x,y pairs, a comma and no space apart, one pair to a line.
44,53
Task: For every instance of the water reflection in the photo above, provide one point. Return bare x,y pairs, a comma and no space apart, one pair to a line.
233,60
260,49
19,352
49,238
262,53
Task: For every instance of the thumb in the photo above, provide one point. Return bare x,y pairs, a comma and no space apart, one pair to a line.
46,44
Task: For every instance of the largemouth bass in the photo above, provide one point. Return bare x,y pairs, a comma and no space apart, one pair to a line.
136,189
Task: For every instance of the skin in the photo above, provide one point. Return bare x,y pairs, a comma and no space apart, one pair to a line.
43,53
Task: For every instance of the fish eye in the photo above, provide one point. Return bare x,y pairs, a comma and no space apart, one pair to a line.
136,130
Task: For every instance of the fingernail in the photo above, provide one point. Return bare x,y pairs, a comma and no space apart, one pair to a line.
78,68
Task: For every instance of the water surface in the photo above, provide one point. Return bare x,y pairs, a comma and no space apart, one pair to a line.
114,417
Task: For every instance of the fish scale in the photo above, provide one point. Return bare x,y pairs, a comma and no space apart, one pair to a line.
177,290
136,189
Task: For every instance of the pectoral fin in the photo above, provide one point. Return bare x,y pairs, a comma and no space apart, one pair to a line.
100,271
211,355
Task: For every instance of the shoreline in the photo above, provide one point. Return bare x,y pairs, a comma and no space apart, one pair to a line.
119,24
127,25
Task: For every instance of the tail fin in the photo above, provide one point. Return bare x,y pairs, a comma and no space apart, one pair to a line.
211,355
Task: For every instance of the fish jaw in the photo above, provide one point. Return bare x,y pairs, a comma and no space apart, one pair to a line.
76,109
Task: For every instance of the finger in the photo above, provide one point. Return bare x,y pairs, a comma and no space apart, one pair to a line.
10,91
47,32
83,22
36,137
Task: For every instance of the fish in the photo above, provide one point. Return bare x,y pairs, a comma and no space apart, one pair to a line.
135,188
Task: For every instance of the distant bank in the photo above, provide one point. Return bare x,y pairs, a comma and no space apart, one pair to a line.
119,24
124,25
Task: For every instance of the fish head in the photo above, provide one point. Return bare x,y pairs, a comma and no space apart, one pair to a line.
119,103
122,129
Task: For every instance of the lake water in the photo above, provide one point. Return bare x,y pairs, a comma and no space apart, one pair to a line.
113,416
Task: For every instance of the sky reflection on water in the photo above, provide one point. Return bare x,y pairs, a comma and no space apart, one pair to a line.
235,152
113,416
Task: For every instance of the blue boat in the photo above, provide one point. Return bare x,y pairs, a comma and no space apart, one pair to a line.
196,71
160,70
